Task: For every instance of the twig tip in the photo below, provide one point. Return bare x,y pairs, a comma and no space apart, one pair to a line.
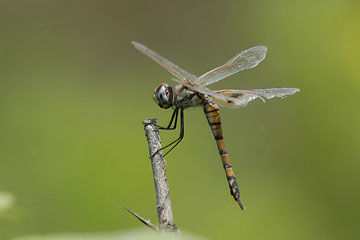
149,121
141,219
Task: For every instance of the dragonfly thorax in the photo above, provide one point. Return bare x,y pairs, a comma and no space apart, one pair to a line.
163,96
185,98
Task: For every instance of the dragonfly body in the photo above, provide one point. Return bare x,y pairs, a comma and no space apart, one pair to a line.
185,98
212,113
191,92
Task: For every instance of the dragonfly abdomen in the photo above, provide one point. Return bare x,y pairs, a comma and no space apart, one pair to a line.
212,113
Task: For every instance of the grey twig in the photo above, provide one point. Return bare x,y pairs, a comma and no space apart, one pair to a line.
141,219
163,203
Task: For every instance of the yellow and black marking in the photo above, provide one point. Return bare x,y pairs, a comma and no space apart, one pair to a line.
212,113
234,93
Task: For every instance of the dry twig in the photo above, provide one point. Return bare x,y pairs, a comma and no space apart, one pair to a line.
163,203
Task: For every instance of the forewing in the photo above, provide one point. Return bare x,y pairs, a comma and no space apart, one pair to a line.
178,72
246,59
177,80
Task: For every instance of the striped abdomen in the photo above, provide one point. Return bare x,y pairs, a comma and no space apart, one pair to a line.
212,113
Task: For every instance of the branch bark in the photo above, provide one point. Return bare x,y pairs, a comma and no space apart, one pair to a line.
163,202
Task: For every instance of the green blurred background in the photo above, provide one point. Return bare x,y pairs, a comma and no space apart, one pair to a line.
73,94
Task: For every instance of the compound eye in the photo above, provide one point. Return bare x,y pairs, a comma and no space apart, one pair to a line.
162,96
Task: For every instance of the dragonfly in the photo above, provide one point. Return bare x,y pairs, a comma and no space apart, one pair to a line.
191,91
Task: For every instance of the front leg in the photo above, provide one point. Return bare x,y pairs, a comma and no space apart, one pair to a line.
176,141
174,115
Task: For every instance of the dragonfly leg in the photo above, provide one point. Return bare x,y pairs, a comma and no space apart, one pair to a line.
176,141
174,116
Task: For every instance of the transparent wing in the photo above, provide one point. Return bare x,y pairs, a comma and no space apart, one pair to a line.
246,59
243,97
234,97
171,67
177,80
220,98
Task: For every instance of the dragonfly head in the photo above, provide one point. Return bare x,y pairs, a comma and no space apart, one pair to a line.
163,96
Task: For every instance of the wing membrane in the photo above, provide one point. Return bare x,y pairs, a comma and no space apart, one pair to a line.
217,96
271,92
171,67
243,97
246,59
234,97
